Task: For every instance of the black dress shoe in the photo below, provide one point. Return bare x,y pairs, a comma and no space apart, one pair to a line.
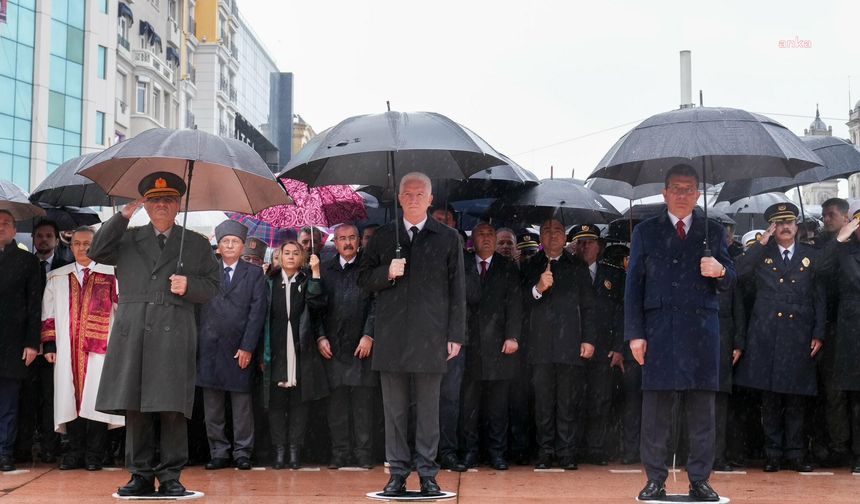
137,486
544,462
771,465
70,463
337,461
470,460
451,463
855,467
702,491
395,487
243,464
799,466
92,467
280,457
569,464
723,466
7,463
171,488
653,490
429,487
295,460
499,464
217,463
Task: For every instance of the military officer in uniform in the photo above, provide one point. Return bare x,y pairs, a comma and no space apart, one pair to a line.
785,333
150,367
607,281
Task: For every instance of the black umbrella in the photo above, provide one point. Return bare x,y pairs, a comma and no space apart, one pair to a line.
728,144
563,199
372,149
14,200
621,189
66,218
228,175
65,188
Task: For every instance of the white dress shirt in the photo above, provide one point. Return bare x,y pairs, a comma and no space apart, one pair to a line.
409,225
783,249
231,266
79,271
688,221
478,262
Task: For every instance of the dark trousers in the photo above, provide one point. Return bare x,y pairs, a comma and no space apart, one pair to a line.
355,404
598,401
214,405
486,399
631,387
9,391
36,409
559,389
782,420
519,393
657,406
449,404
721,420
396,388
286,404
854,402
140,444
87,440
832,400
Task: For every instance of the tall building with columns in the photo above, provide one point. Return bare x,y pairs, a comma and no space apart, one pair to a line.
818,193
854,134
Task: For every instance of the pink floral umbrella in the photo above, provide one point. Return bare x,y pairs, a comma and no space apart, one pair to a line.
320,206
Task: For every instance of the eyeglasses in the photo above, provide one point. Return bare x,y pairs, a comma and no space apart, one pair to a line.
682,191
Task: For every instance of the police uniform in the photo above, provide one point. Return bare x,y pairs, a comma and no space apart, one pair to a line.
788,314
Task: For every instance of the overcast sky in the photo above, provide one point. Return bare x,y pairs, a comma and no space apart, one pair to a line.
557,83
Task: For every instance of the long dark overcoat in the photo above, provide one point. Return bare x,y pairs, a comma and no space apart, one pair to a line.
494,316
21,308
733,329
562,319
789,311
672,306
847,350
231,321
420,312
151,361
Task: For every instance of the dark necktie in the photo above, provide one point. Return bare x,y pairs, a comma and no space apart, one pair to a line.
86,272
785,260
483,270
44,270
161,240
414,230
682,234
227,280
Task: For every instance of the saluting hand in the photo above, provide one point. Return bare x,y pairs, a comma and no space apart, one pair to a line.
767,234
545,281
128,210
639,347
847,230
178,284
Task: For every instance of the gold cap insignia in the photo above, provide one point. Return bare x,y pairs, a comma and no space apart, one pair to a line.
160,183
781,208
253,244
585,228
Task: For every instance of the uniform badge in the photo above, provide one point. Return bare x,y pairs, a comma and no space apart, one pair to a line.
253,244
607,284
805,261
768,260
781,208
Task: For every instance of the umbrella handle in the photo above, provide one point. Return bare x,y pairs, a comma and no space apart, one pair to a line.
707,251
185,216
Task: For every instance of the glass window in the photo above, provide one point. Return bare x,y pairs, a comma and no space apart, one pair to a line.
27,4
60,10
140,101
26,26
102,64
75,45
58,74
100,128
74,79
73,114
23,100
55,145
72,147
7,131
77,9
59,36
156,103
21,171
103,6
24,65
7,88
56,110
5,166
7,58
10,28
121,84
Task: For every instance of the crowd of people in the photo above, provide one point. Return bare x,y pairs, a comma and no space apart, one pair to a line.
492,349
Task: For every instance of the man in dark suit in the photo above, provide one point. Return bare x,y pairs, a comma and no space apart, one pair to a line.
494,322
150,368
671,313
559,321
231,324
785,333
420,324
36,414
21,288
607,281
346,346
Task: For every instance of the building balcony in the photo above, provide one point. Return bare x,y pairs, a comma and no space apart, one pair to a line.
148,59
123,42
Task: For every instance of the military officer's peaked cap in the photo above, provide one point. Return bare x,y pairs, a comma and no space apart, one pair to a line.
781,212
751,237
158,184
255,247
231,228
583,232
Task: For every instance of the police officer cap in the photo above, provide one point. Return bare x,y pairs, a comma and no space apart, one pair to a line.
231,228
751,237
158,184
583,232
781,212
255,247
